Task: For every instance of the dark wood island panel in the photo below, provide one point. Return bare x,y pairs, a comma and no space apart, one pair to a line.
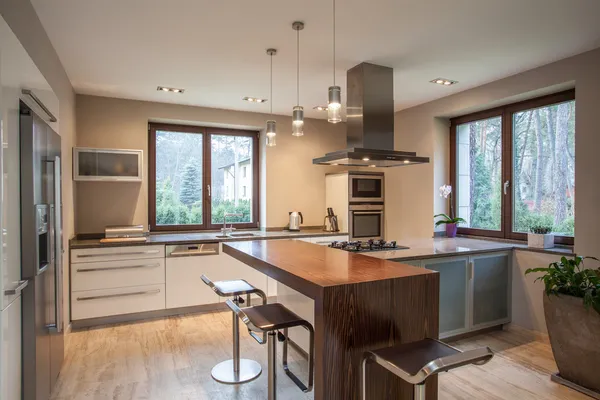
361,303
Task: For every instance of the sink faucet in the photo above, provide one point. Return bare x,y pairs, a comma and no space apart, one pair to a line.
225,230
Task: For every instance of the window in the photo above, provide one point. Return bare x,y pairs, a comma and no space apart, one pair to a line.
195,177
245,171
514,167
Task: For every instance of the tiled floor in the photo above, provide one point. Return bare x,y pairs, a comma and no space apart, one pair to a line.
171,359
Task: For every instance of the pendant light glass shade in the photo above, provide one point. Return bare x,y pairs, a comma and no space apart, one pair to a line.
298,121
271,132
334,105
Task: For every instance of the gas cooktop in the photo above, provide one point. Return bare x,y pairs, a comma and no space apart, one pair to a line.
371,245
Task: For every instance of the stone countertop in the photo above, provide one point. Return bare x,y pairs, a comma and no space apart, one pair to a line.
446,247
204,237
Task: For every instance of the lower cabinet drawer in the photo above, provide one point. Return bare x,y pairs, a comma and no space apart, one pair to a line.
107,302
115,274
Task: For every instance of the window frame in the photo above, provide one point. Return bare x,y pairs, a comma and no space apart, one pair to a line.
207,133
506,113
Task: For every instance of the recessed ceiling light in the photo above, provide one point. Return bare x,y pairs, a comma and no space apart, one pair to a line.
169,89
320,108
442,81
365,158
254,99
406,162
372,165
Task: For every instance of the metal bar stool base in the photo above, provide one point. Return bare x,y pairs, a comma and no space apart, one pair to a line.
223,372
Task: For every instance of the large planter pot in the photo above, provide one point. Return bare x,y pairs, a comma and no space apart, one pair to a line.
451,230
575,338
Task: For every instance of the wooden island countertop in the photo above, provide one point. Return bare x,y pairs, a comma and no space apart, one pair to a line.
360,303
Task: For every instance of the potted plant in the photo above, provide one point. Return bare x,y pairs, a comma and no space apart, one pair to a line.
572,311
450,221
539,236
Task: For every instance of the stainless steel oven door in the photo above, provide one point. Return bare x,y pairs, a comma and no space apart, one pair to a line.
365,188
365,222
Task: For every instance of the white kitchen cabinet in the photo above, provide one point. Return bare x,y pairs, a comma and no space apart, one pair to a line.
185,287
117,253
113,274
109,302
234,269
10,342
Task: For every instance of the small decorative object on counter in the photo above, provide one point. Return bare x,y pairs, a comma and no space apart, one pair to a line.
572,312
540,237
450,221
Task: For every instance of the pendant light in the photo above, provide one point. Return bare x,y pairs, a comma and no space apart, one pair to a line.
271,124
298,111
334,106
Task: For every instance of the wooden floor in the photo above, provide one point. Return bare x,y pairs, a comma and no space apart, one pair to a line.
171,359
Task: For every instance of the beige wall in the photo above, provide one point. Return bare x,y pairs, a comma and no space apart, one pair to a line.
289,182
412,197
22,19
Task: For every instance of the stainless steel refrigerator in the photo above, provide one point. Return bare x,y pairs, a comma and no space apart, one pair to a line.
41,255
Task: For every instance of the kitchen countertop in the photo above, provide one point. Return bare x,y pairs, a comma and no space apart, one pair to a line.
203,237
311,268
446,247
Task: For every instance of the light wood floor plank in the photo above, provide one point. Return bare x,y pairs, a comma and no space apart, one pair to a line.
171,359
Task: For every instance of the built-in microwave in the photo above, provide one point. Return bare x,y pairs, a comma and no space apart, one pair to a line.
365,221
365,187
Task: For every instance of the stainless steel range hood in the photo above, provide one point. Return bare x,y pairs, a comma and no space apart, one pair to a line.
370,122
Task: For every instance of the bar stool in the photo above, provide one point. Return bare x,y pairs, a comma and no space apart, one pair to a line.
270,319
415,362
235,370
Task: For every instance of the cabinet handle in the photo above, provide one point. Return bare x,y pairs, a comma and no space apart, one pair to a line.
118,268
110,296
471,270
133,253
18,289
193,253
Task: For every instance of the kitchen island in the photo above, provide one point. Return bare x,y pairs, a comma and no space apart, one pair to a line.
360,303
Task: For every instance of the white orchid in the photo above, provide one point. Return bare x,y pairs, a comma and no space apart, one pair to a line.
445,191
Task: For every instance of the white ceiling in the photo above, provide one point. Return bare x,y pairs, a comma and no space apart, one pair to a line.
216,49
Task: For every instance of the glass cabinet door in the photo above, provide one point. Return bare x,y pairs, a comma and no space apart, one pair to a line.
454,293
108,165
491,289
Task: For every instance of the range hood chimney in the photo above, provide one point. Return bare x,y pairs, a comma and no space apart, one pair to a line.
370,122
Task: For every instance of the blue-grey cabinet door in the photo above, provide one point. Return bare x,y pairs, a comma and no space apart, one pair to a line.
491,285
454,293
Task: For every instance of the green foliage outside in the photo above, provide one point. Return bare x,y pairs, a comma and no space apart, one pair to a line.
170,210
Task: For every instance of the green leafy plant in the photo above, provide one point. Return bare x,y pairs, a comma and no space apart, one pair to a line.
540,229
447,220
570,278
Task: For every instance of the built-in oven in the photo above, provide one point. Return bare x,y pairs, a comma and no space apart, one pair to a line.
365,221
365,187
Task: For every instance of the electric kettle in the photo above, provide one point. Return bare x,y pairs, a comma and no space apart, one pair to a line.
296,219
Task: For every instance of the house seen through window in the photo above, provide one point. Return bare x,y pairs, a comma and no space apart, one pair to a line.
197,175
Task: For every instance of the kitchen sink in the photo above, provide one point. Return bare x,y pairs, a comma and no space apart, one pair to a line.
234,235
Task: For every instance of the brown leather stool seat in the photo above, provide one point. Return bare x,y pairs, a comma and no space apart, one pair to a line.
269,319
415,362
236,370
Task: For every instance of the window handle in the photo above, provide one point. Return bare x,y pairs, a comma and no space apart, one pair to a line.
506,185
208,190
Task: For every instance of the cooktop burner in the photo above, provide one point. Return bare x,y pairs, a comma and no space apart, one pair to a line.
371,245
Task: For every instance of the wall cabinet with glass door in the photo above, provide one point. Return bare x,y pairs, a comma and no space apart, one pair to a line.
107,165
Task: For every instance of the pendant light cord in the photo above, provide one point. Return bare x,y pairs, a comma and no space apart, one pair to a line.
298,67
333,42
271,93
